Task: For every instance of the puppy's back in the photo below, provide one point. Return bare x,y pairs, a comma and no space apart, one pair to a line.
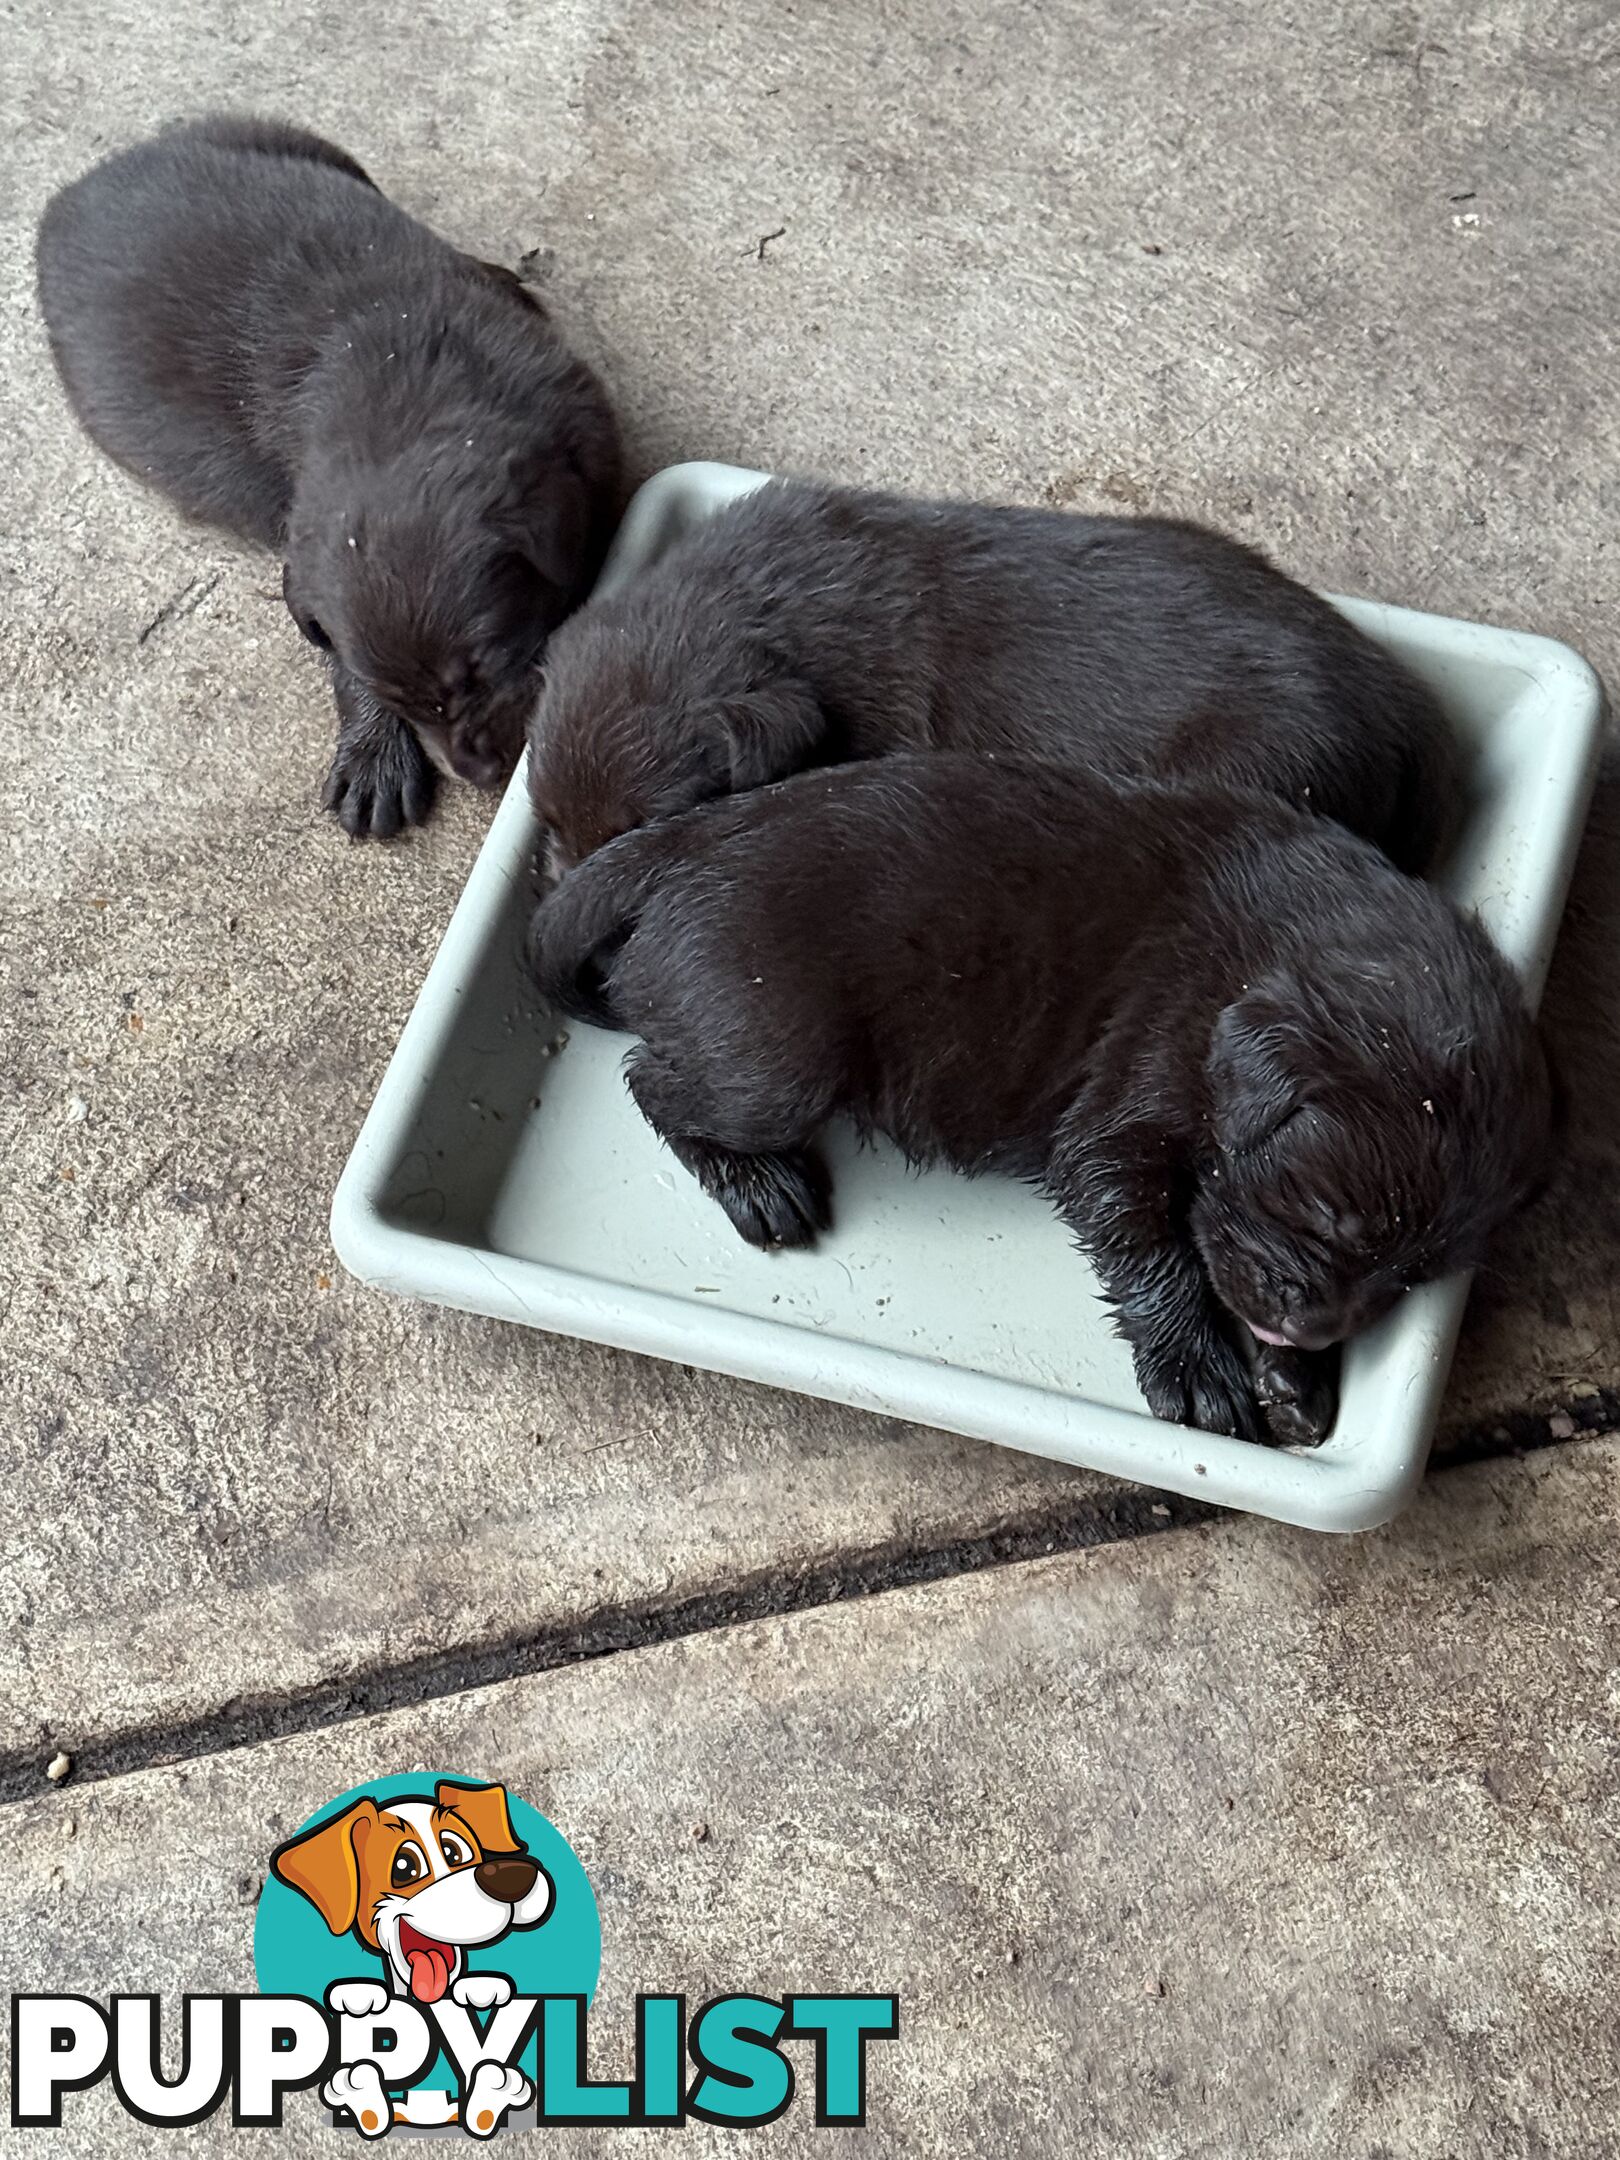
271,138
930,942
1156,648
174,271
1138,647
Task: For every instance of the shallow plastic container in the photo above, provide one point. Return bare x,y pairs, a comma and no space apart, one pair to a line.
503,1168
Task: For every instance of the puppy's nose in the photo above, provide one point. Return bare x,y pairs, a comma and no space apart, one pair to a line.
480,756
1315,1333
506,1876
1319,1327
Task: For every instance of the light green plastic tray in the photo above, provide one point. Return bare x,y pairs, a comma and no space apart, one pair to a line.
506,1175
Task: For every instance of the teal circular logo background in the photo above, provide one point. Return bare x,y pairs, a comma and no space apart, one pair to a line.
294,1952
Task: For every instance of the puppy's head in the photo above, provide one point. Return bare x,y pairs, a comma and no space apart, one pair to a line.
634,725
1370,1132
437,581
420,1880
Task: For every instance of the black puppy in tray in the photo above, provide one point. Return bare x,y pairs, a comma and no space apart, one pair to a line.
1268,1080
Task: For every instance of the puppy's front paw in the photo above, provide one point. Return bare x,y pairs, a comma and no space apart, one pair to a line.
494,2090
357,1998
776,1200
1205,1383
360,2090
1299,1393
773,1200
481,1991
375,788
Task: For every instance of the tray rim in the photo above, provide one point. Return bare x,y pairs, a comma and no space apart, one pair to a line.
1340,1487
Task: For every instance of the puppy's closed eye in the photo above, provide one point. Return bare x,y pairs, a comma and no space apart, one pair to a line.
1316,1217
308,625
1315,1220
1347,1230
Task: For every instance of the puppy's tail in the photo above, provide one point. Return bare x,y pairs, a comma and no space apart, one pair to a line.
586,920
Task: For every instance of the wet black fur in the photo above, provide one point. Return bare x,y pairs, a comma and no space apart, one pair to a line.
1264,1077
808,625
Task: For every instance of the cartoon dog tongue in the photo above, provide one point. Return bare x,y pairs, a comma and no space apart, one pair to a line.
430,1970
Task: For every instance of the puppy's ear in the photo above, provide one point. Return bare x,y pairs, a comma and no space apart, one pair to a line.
773,731
324,1864
549,530
483,1809
1257,1063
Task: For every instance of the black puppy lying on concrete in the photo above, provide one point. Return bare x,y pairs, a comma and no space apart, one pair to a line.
1268,1081
807,625
242,320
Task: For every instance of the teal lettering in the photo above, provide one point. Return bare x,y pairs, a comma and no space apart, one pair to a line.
841,2025
566,2093
745,2079
660,2067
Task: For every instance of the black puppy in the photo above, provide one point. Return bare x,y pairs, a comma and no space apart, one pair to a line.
806,625
242,320
1267,1080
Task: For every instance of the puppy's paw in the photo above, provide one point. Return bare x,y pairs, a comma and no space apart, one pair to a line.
773,1201
360,2091
494,2090
1299,1392
1205,1384
376,788
357,1998
777,1200
482,1991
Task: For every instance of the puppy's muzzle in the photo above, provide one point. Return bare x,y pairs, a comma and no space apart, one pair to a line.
485,760
507,1877
1319,1327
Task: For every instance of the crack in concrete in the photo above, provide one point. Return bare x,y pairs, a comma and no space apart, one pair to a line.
181,604
1097,1521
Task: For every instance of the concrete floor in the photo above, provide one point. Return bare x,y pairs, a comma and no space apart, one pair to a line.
1343,281
1222,1842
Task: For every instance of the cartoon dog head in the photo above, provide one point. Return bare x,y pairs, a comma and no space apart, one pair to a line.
420,1881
